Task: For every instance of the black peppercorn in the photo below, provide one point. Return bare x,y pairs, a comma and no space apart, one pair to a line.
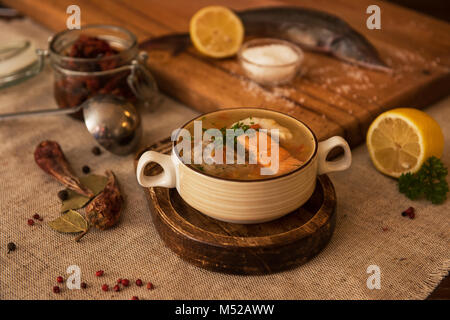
11,247
86,169
96,151
63,195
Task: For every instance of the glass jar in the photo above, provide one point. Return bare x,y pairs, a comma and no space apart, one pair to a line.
121,72
18,62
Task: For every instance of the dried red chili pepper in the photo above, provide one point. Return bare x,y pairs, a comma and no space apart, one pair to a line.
50,158
104,210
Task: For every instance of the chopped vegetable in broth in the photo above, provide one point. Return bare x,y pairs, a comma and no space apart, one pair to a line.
293,144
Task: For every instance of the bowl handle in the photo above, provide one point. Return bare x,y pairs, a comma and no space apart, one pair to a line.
165,179
325,147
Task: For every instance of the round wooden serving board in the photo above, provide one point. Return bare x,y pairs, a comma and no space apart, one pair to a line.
237,248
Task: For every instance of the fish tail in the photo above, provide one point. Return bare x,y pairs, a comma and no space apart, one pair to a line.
176,42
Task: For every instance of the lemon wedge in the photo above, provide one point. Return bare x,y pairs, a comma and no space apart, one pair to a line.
216,31
400,140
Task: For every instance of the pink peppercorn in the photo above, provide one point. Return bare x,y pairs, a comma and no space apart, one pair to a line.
409,212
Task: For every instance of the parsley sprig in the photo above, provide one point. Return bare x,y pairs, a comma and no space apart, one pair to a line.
430,181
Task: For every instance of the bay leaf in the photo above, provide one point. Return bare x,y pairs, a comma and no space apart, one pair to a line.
69,222
95,183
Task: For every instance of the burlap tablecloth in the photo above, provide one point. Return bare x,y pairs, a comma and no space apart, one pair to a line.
413,255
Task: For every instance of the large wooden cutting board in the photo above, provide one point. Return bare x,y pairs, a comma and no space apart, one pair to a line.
334,98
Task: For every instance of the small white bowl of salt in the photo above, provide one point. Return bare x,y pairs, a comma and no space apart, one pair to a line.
270,61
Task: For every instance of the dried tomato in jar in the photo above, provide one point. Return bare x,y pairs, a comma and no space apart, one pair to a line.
92,61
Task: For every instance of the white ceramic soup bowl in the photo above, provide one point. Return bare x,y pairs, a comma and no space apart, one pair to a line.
246,201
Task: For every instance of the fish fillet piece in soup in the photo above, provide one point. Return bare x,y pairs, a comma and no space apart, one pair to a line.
286,162
284,133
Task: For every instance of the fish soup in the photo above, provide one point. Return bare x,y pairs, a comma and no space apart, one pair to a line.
288,147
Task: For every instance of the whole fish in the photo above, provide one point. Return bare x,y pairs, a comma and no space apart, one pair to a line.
310,29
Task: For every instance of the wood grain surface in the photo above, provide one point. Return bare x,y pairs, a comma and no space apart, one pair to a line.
333,97
241,248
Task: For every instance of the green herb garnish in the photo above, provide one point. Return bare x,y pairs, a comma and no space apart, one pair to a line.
240,125
430,181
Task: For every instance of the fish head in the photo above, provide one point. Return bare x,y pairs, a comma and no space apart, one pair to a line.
357,50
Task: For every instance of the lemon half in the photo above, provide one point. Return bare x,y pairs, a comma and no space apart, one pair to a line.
216,31
400,140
